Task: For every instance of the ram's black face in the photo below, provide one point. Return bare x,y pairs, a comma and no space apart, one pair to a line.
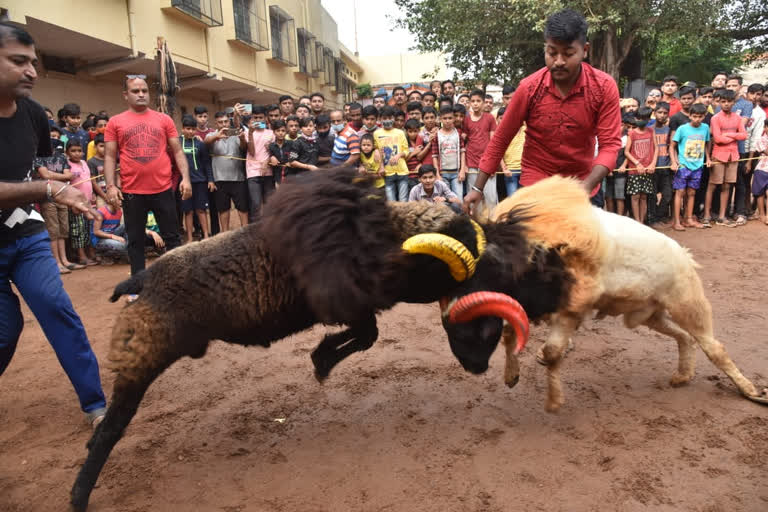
474,342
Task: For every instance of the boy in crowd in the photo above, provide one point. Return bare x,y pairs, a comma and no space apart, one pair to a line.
444,101
286,106
428,100
273,114
687,98
658,207
201,117
96,166
429,129
706,95
303,111
689,150
488,103
306,148
417,150
325,140
433,190
292,127
56,216
727,129
760,179
279,151
743,108
258,174
305,100
642,152
79,226
414,110
479,127
459,113
668,90
202,131
400,120
448,89
448,156
100,123
229,173
436,87
72,130
370,160
464,100
393,147
512,162
370,117
317,104
616,180
200,175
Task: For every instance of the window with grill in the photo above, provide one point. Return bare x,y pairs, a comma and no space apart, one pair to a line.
251,23
306,52
283,31
206,11
317,65
327,66
338,70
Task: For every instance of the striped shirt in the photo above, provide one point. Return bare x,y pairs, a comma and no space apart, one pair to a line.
346,143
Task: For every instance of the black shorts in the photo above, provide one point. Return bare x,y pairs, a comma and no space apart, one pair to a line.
199,199
235,191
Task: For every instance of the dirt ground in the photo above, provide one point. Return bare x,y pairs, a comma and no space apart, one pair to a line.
402,427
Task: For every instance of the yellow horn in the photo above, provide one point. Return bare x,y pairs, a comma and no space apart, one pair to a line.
448,250
480,237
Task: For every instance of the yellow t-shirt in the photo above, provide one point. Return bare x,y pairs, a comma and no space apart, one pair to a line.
372,167
513,157
91,152
391,142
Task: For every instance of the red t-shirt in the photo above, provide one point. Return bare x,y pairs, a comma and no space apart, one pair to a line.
142,140
674,106
642,148
478,136
561,131
412,161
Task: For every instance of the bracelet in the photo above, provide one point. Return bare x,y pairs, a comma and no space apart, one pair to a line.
477,189
59,191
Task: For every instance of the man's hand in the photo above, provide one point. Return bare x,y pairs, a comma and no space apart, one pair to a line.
462,175
674,166
118,239
394,159
439,199
211,186
507,173
73,199
114,195
185,187
709,163
471,200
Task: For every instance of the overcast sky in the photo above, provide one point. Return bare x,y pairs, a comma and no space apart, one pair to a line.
375,32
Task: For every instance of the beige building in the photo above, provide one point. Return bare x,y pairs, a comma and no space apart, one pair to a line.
224,50
404,68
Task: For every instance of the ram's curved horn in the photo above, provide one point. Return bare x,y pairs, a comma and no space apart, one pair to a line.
475,305
480,238
448,250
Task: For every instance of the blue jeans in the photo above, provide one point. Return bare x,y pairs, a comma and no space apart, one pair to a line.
512,182
452,179
28,261
113,246
396,187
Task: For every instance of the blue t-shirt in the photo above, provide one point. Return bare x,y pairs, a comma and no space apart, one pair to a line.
661,133
744,109
691,145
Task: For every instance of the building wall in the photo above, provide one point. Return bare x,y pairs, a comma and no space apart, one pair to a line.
403,68
241,67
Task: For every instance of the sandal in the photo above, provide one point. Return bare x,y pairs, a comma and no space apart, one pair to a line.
74,266
64,270
754,216
678,227
740,220
693,223
727,223
706,222
90,263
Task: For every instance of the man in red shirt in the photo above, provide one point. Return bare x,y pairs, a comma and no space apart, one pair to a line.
142,137
668,90
565,105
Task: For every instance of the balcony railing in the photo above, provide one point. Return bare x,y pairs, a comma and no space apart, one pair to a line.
205,11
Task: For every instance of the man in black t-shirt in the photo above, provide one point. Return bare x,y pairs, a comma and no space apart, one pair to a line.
687,97
25,251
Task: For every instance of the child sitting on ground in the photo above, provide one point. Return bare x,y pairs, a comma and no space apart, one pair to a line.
370,160
108,235
79,226
433,190
201,176
642,152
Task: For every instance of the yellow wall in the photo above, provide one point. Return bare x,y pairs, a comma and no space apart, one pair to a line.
402,68
108,20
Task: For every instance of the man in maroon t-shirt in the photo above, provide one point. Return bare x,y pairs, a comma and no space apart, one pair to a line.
142,137
479,127
567,106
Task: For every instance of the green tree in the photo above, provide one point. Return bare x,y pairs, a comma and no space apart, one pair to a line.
691,58
500,40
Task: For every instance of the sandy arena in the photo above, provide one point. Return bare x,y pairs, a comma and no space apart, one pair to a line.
402,427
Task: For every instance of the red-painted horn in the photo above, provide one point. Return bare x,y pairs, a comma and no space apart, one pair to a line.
478,304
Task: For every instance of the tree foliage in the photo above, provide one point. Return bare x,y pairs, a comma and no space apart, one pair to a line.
501,40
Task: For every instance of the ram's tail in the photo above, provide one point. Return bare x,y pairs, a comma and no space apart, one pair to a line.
131,286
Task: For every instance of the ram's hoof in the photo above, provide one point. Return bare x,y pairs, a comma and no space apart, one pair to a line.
512,382
762,398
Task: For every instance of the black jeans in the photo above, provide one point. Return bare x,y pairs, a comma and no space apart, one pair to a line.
742,191
135,209
662,183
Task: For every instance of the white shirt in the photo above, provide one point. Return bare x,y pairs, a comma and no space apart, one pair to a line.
755,130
